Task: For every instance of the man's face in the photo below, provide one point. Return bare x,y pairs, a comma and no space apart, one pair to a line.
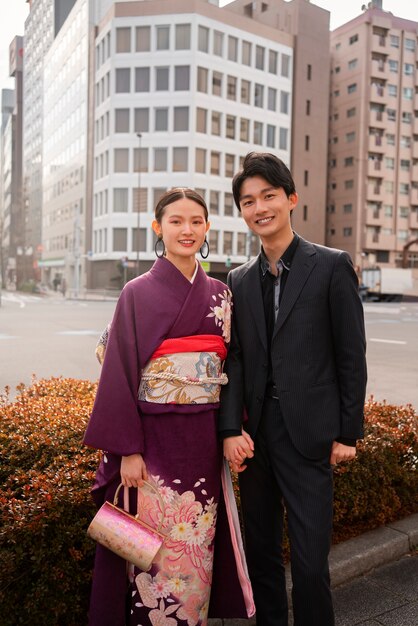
266,209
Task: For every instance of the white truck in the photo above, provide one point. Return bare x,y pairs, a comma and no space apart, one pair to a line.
385,283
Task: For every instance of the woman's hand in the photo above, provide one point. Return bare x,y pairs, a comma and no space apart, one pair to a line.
133,471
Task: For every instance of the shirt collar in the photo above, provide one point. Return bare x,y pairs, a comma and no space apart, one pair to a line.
286,258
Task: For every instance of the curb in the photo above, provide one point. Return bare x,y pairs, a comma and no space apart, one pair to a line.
355,557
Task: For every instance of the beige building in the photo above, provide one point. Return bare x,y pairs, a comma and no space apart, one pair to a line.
372,208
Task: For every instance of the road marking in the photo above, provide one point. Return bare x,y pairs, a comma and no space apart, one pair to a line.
3,336
370,308
96,333
400,343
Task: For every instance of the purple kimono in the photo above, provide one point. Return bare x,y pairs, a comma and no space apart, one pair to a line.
199,572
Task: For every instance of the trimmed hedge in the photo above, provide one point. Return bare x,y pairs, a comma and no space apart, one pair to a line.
46,475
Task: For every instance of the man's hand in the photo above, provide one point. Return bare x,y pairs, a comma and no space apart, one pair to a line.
237,449
133,471
341,452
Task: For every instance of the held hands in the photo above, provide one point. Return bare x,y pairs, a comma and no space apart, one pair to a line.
340,452
237,449
133,471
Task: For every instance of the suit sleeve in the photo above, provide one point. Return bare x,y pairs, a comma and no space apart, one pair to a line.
347,322
232,394
115,423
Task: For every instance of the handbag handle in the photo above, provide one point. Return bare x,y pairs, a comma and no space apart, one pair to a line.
115,501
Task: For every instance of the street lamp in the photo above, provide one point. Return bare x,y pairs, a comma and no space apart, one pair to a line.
139,203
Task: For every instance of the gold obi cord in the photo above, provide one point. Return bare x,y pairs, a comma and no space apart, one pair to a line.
183,378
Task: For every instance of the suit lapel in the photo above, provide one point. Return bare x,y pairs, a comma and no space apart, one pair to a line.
303,263
254,297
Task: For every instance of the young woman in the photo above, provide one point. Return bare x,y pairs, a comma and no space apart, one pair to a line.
155,418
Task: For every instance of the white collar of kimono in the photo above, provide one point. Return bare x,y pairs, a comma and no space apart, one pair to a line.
195,272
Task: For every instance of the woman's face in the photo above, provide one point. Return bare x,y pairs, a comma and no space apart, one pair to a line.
183,228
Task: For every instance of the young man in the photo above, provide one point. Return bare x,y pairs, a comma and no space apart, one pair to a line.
297,380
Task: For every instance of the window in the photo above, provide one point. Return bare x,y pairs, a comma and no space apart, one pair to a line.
348,231
157,192
203,39
141,120
348,161
246,53
121,120
406,117
271,136
232,48
217,83
201,117
404,211
182,36
271,99
202,79
389,163
231,92
337,70
244,133
229,165
142,79
123,39
140,200
259,57
258,133
161,119
216,123
228,242
218,43
273,57
214,203
393,66
391,115
181,118
214,240
283,138
241,244
305,213
407,93
403,188
394,41
403,234
308,107
390,139
139,242
353,39
123,80
347,208
160,159
120,239
349,137
140,159
285,67
351,112
200,165
306,178
120,200
352,88
229,202
163,37
408,69
352,64
388,210
348,184
388,186
410,44
181,77
180,159
405,165
161,78
143,38
230,126
405,141
215,163
309,71
284,102
121,160
393,91
258,95
245,92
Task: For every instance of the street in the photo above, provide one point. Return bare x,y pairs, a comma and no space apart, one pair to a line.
52,336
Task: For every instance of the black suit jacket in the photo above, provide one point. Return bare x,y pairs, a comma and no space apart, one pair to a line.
317,351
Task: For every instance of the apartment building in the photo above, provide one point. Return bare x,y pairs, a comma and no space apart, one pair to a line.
372,208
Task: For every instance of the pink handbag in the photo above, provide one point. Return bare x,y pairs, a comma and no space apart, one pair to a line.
125,534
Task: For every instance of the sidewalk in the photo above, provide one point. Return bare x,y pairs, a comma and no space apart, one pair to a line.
393,590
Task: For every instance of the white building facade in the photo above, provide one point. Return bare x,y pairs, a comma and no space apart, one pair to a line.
202,87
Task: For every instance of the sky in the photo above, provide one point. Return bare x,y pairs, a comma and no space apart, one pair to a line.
12,22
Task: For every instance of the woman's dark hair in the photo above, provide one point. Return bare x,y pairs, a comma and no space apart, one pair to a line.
267,166
172,195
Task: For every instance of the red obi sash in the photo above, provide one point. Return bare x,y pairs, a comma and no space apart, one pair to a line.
194,343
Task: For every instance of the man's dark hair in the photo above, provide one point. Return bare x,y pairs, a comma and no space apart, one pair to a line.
267,166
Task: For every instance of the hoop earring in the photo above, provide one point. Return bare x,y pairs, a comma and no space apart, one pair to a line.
159,251
204,249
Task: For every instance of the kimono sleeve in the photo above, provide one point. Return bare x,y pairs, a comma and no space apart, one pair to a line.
115,423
